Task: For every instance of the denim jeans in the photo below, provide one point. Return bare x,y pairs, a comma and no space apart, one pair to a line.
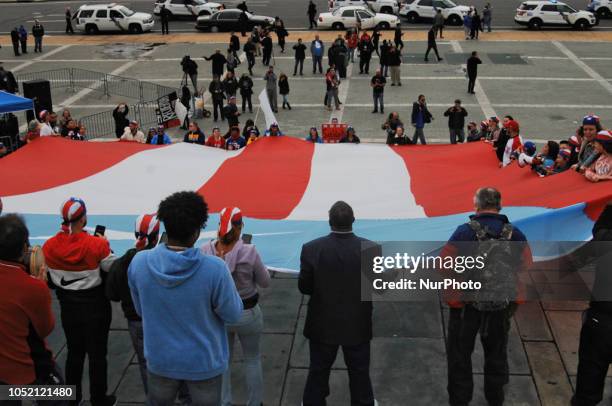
317,61
135,328
163,391
418,135
456,135
38,44
379,101
248,329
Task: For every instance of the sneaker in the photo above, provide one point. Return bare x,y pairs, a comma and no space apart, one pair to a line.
399,84
392,84
375,111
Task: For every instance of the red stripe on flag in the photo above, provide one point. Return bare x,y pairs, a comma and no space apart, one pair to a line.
444,179
50,161
267,180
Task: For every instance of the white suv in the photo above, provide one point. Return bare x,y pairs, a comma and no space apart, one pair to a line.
536,14
187,8
377,6
347,17
112,17
416,10
601,8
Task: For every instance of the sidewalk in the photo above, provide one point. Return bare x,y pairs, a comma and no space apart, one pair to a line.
327,36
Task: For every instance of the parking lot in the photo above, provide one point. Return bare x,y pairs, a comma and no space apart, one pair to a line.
547,86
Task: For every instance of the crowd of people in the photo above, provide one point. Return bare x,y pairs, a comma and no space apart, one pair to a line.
185,306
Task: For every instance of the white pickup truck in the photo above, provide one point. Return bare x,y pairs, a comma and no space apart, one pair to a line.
377,6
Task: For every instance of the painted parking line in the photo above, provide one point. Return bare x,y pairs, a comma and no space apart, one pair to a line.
41,58
481,96
586,68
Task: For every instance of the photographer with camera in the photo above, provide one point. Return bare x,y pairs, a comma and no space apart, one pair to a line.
190,68
456,121
77,262
26,318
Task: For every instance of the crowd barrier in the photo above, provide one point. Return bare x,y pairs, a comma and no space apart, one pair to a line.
102,125
74,78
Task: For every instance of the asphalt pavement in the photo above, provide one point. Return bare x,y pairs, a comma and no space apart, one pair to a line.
293,12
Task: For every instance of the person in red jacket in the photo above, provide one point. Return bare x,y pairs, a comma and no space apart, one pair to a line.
76,261
25,310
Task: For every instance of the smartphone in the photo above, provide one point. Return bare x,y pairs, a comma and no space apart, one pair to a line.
164,238
100,230
246,238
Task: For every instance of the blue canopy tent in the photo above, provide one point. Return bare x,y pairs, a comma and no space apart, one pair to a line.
10,103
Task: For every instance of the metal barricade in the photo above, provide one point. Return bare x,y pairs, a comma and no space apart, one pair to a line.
107,84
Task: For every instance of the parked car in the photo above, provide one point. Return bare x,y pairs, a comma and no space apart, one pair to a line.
601,8
377,6
417,10
227,20
187,8
536,14
97,18
347,17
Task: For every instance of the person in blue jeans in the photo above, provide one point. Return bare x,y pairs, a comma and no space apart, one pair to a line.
185,298
248,272
317,49
420,117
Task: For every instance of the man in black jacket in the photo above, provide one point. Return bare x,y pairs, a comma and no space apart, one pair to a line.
312,14
245,84
190,68
249,50
431,44
38,32
118,290
472,71
595,351
365,54
230,111
456,121
234,44
164,15
300,55
330,272
218,95
266,44
15,40
218,63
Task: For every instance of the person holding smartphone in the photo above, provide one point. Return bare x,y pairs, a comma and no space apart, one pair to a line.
249,273
76,262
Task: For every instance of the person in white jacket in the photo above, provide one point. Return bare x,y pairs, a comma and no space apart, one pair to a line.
133,133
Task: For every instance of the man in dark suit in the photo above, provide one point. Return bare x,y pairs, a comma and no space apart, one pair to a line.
330,272
472,71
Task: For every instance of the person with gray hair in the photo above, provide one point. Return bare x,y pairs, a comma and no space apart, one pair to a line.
468,318
330,273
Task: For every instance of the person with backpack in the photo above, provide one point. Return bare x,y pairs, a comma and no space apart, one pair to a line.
479,313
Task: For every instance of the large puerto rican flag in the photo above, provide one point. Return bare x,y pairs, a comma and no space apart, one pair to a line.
285,187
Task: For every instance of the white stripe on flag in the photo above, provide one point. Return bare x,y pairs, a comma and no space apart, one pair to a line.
267,109
134,185
357,175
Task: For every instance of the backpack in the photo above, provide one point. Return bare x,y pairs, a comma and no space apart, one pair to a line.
497,278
